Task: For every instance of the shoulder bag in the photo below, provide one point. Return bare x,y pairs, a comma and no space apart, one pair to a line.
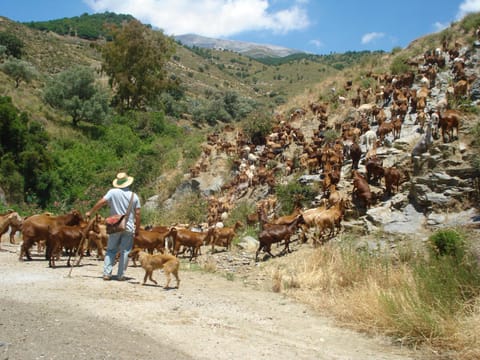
118,223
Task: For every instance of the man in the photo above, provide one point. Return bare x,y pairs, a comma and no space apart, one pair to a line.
119,198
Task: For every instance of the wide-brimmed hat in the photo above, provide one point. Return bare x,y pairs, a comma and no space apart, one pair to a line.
122,180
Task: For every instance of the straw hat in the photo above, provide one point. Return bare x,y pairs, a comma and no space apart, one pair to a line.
122,180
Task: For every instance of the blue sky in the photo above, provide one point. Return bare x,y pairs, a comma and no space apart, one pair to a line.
315,26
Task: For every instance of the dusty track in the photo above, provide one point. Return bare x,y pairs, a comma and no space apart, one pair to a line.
44,314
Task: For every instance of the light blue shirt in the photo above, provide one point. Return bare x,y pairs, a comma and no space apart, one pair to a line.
118,200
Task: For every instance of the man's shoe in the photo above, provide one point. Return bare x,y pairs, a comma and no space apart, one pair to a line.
106,277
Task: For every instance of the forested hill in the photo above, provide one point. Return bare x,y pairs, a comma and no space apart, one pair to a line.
85,26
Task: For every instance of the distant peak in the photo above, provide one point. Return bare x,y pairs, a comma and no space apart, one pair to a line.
246,48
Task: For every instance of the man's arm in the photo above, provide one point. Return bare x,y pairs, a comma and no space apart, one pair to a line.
137,220
100,203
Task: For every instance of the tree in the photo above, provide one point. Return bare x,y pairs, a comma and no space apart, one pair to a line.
26,167
13,44
19,70
75,92
135,63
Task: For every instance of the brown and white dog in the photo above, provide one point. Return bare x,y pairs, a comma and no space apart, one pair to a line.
169,263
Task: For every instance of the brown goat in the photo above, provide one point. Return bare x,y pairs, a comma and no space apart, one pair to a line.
70,237
224,236
150,240
275,234
37,227
361,190
330,219
190,239
392,178
10,220
448,121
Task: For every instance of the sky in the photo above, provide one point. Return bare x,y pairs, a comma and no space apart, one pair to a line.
313,26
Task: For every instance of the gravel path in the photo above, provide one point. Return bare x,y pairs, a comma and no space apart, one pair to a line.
44,314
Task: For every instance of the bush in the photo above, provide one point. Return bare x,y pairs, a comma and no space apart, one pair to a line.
399,65
14,46
331,135
294,194
257,126
240,212
447,243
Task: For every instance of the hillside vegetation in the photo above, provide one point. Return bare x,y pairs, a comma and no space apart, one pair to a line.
210,88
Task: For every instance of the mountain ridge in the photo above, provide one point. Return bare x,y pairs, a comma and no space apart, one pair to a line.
251,49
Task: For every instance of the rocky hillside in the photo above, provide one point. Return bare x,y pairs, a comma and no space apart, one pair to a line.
439,187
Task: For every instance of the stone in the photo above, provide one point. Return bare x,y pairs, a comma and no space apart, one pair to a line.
248,243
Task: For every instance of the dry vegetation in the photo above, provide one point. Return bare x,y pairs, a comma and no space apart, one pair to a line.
379,292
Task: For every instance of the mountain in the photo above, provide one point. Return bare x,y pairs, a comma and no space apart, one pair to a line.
245,48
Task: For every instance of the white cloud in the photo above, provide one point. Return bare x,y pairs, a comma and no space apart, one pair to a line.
369,37
216,18
468,6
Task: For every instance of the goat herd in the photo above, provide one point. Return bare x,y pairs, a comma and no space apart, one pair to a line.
70,234
252,160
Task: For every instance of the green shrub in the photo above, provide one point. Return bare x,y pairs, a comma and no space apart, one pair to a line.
14,46
447,242
399,65
240,212
396,50
257,126
331,135
293,194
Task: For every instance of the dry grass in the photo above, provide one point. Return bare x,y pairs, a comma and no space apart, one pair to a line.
377,295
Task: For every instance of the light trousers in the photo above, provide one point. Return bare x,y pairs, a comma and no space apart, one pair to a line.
119,242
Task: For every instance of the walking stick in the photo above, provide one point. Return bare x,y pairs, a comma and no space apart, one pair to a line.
80,245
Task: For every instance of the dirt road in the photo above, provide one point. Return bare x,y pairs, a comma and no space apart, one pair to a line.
44,314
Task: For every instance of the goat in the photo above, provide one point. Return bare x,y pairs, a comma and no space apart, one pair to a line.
309,217
449,121
151,240
37,227
275,234
392,177
10,220
355,155
374,170
224,236
330,219
190,239
361,190
370,139
69,237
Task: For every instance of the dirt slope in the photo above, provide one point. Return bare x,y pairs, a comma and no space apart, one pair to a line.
44,314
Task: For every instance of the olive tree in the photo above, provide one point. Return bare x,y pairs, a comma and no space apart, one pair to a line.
18,70
75,92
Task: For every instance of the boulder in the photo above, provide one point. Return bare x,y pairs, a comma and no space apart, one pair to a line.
405,221
248,243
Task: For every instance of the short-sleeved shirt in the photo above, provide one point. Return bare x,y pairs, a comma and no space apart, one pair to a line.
118,200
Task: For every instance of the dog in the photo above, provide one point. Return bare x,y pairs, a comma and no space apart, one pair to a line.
169,263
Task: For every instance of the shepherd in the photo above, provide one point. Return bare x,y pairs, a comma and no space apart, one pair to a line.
120,200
